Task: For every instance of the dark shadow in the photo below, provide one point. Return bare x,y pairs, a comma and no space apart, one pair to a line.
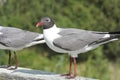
34,72
4,66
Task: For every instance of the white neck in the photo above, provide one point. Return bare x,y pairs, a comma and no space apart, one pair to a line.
51,33
52,30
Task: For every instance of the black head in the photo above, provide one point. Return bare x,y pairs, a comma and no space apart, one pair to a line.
46,22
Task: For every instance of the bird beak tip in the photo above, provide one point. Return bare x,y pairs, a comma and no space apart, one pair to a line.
39,24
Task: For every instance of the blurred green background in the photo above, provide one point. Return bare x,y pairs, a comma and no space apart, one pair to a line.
99,15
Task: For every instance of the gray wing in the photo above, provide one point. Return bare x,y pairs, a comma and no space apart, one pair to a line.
14,37
74,39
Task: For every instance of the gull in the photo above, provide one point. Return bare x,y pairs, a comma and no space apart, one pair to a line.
14,39
73,41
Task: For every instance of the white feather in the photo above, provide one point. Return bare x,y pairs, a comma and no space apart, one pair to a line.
39,37
106,36
36,42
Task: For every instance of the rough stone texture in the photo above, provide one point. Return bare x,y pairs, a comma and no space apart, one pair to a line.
30,74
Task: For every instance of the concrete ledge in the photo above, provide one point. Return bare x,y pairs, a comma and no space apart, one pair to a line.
30,74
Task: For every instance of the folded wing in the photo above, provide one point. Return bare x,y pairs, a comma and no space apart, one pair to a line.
75,39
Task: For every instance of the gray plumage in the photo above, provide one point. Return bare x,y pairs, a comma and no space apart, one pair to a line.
75,39
14,38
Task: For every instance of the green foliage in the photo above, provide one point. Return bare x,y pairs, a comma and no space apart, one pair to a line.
99,15
3,58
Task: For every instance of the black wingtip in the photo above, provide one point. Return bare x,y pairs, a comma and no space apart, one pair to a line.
118,32
115,34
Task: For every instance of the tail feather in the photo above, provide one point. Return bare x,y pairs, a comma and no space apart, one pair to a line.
115,35
112,37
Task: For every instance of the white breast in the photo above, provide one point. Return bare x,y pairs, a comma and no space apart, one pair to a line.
50,35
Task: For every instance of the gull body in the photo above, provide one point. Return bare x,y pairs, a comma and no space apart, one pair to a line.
73,41
14,39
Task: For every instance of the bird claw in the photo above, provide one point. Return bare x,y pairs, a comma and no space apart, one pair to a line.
66,74
11,68
70,77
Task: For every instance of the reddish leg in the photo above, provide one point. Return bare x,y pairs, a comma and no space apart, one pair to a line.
75,70
9,59
16,61
70,69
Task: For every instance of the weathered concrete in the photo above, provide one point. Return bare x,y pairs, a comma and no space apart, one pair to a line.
30,74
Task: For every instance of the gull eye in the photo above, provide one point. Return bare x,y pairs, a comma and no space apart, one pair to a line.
48,20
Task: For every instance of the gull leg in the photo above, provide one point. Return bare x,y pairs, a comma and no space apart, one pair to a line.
70,68
75,70
16,62
9,59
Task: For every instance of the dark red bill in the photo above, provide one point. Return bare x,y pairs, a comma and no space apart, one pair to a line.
39,24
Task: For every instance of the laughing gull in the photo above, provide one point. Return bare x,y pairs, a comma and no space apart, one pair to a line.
73,41
15,39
